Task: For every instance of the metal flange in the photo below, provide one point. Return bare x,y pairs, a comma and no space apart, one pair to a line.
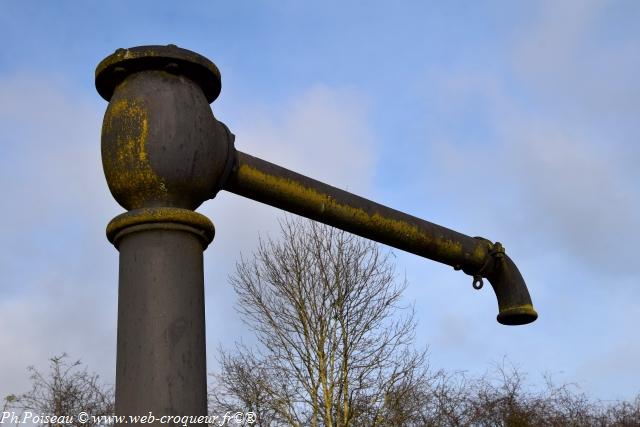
123,62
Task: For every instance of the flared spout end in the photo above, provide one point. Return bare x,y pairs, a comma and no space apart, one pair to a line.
520,315
514,302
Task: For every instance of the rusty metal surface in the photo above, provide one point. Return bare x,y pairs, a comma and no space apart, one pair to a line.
279,187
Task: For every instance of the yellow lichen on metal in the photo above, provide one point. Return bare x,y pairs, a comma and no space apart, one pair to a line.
127,165
324,204
519,309
159,215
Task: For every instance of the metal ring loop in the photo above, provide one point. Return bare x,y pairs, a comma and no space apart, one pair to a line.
477,282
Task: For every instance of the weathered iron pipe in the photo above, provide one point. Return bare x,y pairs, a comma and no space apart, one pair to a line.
279,187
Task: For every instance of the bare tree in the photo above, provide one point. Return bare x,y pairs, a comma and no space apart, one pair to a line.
66,390
502,398
334,352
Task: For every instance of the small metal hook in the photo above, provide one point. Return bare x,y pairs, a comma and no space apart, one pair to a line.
477,282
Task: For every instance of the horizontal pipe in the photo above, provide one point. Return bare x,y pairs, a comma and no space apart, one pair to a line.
279,187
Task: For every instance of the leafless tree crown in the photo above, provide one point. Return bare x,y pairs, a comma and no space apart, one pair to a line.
324,305
66,390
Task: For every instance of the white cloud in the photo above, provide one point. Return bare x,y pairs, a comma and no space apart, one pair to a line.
555,163
322,133
582,195
558,181
58,270
581,63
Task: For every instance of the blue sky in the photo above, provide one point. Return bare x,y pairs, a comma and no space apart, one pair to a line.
516,121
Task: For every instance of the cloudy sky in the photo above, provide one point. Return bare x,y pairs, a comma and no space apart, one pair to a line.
516,121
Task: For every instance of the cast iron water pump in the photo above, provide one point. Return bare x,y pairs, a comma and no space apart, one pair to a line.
164,154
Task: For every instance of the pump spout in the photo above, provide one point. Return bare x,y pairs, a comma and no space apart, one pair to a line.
514,302
276,186
181,155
